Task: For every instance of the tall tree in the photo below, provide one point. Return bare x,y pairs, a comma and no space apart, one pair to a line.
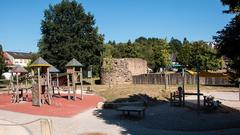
185,41
234,6
184,55
227,40
161,55
204,57
175,45
198,55
2,61
68,32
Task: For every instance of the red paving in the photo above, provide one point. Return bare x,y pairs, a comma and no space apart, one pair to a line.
60,107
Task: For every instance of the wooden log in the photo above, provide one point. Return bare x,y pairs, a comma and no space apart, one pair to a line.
46,127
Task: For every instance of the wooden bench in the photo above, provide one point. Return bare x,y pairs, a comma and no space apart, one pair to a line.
128,109
176,99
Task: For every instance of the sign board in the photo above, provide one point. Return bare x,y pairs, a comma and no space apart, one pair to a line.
89,74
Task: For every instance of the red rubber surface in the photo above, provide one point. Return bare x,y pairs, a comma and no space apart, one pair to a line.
60,107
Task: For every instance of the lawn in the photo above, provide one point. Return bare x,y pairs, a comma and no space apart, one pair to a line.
154,91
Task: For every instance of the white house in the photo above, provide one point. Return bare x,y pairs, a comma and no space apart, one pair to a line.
17,58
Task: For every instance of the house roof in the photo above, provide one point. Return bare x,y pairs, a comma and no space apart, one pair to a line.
74,63
19,69
40,62
20,55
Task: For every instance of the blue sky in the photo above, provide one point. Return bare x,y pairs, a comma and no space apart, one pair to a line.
118,20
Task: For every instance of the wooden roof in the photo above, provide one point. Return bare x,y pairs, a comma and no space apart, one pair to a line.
74,63
19,69
40,62
53,69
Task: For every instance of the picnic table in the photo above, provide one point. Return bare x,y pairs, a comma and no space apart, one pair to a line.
128,109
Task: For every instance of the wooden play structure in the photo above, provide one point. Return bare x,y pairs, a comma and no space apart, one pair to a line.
41,85
54,83
74,78
17,89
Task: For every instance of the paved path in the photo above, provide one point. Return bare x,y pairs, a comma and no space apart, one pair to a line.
230,99
91,121
109,122
12,130
81,123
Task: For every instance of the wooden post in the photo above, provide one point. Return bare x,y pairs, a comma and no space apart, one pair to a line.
39,87
81,80
166,81
57,80
17,90
74,80
91,88
26,81
48,87
198,91
183,91
46,127
68,84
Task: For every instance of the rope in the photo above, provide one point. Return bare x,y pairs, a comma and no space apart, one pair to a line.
22,124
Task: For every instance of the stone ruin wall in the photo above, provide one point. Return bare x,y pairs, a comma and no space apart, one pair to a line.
123,70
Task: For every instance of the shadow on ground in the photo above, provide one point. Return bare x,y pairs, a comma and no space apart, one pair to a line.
160,116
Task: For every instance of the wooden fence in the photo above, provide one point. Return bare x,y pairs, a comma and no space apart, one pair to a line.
177,79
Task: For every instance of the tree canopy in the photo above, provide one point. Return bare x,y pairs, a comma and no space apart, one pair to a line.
68,32
234,6
227,40
154,50
198,55
158,53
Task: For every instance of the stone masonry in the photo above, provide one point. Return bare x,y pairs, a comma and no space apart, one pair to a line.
123,70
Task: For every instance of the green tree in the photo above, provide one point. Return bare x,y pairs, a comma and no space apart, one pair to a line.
68,32
227,43
154,50
227,40
107,66
234,6
204,57
198,55
161,55
107,57
175,45
185,41
184,55
2,61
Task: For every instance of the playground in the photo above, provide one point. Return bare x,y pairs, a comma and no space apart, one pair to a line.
39,93
160,119
60,107
42,95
